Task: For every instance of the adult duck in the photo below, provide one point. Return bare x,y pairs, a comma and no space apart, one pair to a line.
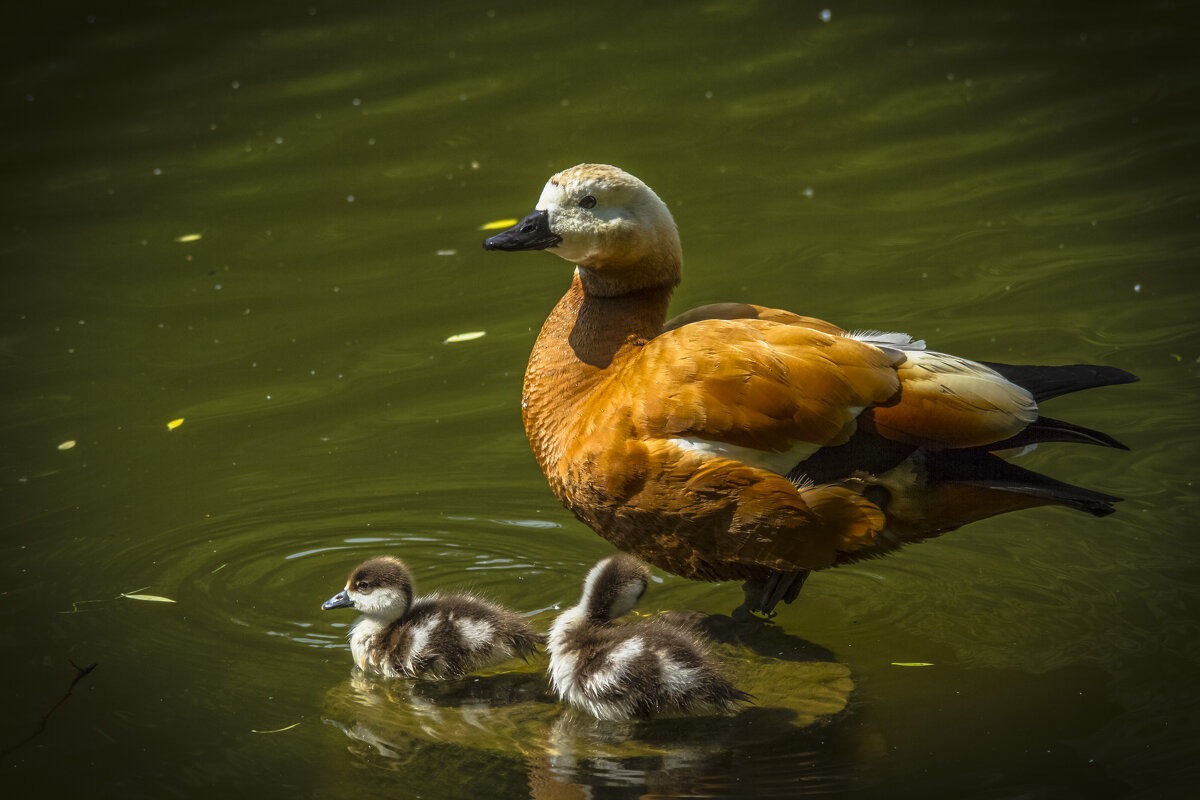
738,442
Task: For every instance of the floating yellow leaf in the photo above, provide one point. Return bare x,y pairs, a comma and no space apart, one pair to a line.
911,664
464,337
67,445
500,223
277,730
175,423
188,237
153,598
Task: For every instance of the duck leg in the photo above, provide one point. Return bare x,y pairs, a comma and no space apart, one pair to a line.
763,596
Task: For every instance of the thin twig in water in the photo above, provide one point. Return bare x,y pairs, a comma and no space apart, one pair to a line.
82,672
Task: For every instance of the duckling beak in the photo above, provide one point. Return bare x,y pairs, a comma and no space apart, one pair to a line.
531,233
339,600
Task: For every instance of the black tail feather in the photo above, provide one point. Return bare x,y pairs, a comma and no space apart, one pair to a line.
977,467
1046,382
1047,429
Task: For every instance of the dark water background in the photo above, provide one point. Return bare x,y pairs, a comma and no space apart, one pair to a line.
263,218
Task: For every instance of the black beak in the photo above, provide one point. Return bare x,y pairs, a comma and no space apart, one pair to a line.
339,600
531,233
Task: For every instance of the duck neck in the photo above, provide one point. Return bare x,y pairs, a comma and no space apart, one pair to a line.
568,627
374,621
584,339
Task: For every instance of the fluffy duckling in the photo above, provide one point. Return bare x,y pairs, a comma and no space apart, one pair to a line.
739,442
655,668
432,637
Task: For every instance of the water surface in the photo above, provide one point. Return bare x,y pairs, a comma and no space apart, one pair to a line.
264,220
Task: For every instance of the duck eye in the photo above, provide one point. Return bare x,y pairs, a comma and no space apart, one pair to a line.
588,202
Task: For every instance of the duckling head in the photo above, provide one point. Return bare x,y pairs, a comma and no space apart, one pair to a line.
380,588
613,227
613,588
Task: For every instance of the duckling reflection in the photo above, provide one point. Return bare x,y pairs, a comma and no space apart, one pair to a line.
657,668
685,757
435,637
802,708
565,751
486,712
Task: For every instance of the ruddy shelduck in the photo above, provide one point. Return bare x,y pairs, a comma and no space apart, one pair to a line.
738,442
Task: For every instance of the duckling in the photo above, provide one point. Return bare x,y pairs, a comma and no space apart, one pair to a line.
435,637
740,442
657,668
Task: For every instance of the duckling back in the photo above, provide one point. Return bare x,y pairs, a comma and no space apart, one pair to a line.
652,669
656,668
449,636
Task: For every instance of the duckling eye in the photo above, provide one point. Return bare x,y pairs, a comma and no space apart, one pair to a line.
588,202
363,585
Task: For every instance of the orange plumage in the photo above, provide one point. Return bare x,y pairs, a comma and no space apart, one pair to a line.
742,442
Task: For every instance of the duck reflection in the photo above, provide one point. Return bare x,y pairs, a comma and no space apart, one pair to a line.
801,696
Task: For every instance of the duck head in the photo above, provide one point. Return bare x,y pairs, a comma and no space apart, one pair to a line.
380,587
608,223
613,588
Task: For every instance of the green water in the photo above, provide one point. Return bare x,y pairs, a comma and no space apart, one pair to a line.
264,219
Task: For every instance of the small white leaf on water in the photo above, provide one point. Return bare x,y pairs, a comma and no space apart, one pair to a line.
464,337
67,445
153,598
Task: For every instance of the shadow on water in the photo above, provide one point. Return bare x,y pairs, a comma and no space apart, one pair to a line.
803,736
757,635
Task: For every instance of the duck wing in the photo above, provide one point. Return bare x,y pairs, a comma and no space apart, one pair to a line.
681,456
729,311
738,446
755,384
945,401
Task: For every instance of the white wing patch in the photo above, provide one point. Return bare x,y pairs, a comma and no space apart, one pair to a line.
900,341
777,462
476,633
676,677
616,665
420,638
